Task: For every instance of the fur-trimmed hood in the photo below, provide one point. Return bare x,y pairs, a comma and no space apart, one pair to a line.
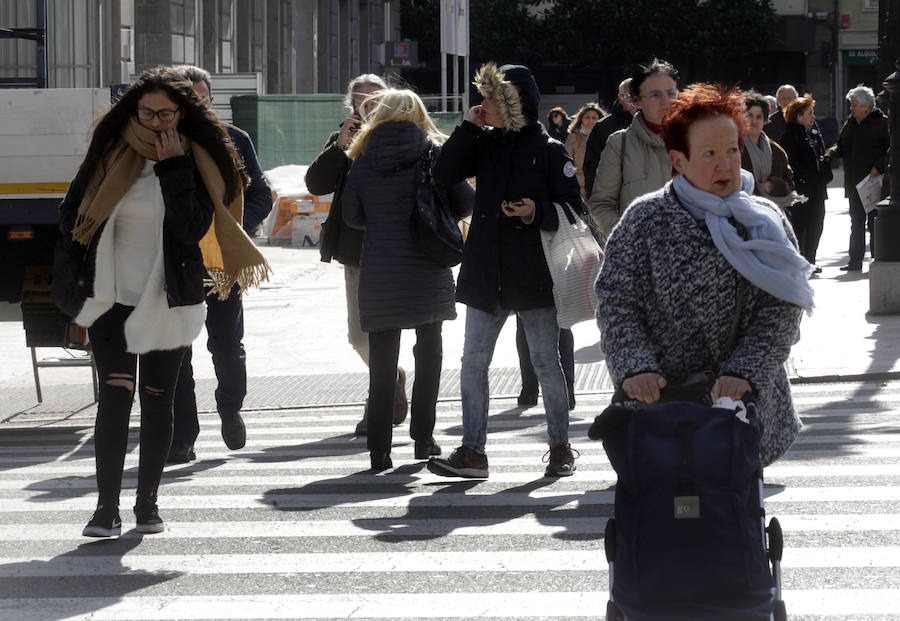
514,90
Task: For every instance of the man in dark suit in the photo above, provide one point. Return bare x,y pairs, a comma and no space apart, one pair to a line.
224,318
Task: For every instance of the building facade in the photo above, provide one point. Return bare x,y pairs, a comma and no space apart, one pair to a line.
296,46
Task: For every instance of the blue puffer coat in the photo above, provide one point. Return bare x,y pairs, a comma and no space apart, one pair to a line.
400,286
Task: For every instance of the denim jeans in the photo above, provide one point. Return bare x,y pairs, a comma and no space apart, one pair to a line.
542,332
225,329
154,374
859,222
566,357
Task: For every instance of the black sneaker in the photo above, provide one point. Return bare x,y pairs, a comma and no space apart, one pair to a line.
426,449
233,430
181,454
527,398
562,461
380,461
464,462
104,523
852,267
147,516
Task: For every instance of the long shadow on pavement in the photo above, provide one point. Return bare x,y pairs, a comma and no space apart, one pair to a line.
91,577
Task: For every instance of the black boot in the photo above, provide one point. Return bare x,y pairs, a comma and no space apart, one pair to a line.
426,449
381,461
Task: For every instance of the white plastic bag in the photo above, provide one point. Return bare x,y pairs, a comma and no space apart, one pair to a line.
574,258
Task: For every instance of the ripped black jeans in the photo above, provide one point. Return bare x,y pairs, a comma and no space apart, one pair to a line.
156,389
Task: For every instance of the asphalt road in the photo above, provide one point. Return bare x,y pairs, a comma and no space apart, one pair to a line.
293,527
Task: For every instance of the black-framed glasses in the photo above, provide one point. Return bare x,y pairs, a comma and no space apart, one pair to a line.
165,115
658,95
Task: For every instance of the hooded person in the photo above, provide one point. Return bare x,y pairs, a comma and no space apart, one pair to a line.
520,173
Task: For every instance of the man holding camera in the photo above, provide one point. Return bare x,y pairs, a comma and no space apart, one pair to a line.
338,241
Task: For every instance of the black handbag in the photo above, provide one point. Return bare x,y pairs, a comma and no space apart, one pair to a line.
68,285
432,225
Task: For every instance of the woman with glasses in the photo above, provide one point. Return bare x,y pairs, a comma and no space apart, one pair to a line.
634,161
157,198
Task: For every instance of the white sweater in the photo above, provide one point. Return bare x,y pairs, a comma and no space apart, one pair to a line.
129,270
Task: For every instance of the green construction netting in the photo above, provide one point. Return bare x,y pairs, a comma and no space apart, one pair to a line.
291,129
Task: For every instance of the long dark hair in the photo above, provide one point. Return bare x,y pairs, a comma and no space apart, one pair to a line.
199,124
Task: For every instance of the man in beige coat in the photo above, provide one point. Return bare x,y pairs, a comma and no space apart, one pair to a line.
634,161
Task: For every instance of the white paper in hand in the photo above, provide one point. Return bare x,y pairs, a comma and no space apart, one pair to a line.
869,190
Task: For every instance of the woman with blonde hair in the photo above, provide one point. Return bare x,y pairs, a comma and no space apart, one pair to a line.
400,286
579,131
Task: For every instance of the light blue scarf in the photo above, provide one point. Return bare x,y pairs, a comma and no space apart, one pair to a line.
767,259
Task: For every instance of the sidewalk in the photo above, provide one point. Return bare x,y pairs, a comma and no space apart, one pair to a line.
298,354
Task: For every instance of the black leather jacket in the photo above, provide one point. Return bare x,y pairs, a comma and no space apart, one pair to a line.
189,212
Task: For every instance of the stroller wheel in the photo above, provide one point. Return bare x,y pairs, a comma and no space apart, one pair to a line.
609,540
776,540
613,614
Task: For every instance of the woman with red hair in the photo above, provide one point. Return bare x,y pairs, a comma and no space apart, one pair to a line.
812,173
693,259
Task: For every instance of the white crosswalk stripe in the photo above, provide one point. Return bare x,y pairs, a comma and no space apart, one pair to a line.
291,527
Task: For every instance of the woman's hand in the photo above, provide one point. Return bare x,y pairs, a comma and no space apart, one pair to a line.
767,186
644,386
524,208
475,115
168,144
733,387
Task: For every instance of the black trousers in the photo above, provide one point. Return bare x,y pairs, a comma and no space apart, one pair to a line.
384,351
225,329
808,221
118,372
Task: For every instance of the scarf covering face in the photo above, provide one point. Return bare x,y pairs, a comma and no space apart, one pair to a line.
230,257
767,259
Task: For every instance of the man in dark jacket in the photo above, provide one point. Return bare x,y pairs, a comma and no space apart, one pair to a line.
224,318
863,143
520,173
620,118
774,129
338,241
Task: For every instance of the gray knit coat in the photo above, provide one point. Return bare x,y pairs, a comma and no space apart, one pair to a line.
667,300
399,285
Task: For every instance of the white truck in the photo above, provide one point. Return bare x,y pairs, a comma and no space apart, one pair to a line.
44,135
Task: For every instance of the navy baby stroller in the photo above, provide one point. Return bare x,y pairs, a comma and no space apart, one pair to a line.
688,540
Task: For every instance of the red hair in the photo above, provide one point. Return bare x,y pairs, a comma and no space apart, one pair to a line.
698,102
798,107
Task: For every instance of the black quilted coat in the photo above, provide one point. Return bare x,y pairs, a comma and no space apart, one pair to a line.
399,286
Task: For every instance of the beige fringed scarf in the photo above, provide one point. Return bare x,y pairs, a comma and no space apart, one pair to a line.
229,255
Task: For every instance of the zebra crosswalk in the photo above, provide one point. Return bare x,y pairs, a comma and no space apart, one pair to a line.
292,527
